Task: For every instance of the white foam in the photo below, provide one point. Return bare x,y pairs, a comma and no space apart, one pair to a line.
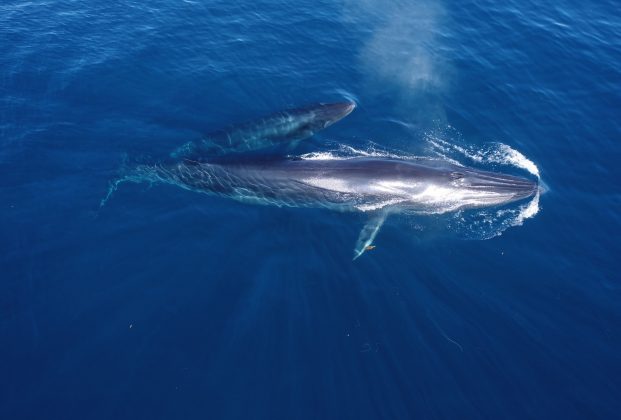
516,158
320,156
497,153
372,151
348,152
527,211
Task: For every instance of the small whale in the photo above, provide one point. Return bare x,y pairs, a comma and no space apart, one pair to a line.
281,128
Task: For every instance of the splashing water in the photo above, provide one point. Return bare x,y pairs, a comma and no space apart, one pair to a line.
495,153
486,224
343,151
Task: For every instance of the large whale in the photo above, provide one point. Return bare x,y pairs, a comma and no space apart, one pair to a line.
281,128
377,186
225,163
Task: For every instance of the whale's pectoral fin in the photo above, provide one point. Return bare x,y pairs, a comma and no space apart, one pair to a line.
368,233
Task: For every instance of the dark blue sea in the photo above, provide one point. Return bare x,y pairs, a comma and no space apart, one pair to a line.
166,303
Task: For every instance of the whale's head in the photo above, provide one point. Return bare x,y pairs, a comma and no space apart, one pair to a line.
328,114
438,186
319,116
483,188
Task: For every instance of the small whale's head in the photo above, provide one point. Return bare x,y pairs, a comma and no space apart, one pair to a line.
324,115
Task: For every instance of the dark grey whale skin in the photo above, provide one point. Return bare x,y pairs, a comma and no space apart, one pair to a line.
283,128
347,184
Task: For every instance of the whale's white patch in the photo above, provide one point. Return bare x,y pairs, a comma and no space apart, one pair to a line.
332,184
391,187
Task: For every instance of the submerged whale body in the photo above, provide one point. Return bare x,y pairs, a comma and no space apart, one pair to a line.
377,186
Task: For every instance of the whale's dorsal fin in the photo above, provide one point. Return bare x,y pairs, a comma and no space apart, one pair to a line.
369,232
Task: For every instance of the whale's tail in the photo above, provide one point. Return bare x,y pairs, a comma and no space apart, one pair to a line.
129,173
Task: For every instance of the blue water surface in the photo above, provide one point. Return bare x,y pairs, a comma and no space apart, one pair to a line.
166,303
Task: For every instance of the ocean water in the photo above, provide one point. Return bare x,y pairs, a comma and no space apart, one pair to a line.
166,303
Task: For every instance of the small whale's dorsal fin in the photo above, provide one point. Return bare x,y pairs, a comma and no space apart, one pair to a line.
369,232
